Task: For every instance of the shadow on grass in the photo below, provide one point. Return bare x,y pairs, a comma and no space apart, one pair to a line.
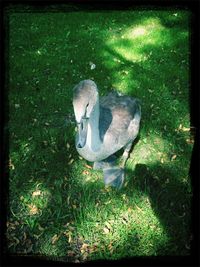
41,186
170,201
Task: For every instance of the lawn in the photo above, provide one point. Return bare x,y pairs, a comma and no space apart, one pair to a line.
58,205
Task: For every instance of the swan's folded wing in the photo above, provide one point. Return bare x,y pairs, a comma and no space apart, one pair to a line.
105,120
119,119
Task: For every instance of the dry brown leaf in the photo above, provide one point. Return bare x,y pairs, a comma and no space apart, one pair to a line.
70,237
85,256
54,239
11,165
40,228
29,247
185,129
71,228
85,172
106,230
70,253
16,240
84,246
108,225
67,224
139,208
173,157
11,226
124,220
33,210
36,193
68,146
17,105
108,202
129,209
110,247
88,166
71,161
190,141
45,143
124,196
91,249
167,181
68,200
24,236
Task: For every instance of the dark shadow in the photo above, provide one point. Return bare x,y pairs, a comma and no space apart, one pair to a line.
171,202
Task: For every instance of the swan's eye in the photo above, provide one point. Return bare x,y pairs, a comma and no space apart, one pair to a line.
86,111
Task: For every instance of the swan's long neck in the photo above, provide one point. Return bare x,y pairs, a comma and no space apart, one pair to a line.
93,137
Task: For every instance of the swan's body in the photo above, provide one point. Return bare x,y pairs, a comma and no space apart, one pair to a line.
105,125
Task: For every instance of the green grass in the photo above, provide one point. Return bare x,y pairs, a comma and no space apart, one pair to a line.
58,206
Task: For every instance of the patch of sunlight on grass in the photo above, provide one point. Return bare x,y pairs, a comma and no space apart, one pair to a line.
125,84
138,31
151,225
130,44
130,47
133,55
148,29
124,222
150,150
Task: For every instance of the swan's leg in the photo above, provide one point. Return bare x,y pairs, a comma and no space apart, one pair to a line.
105,164
125,154
114,177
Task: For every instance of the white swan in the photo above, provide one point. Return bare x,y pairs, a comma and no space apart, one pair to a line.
105,126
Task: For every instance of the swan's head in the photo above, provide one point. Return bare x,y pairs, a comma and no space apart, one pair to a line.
85,97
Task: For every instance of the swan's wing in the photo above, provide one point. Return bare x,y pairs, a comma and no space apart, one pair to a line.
134,125
120,119
105,120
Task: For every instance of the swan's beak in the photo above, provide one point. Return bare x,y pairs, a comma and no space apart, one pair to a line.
82,132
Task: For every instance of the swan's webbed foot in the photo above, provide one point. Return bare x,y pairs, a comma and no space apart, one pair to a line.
105,164
114,177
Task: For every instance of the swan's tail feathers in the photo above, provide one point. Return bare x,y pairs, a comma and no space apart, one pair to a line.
114,177
105,164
